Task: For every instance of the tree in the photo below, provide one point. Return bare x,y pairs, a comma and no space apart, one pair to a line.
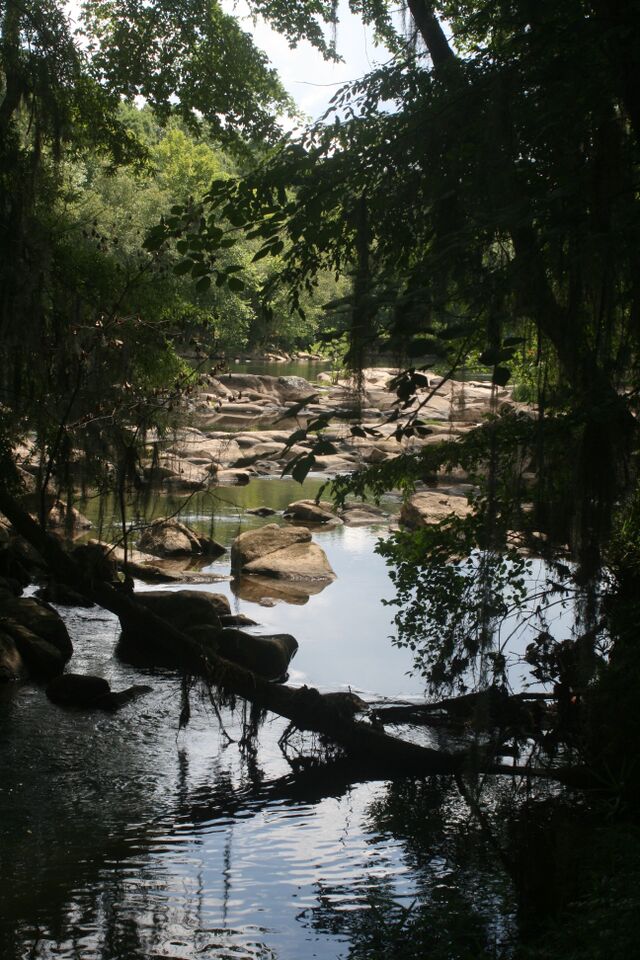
488,214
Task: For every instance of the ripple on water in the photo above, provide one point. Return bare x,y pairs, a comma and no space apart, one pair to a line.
120,838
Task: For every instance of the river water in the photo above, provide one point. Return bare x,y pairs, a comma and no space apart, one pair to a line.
123,837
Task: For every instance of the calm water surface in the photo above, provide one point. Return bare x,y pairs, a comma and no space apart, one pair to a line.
121,837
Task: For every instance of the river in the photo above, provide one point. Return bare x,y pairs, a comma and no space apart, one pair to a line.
123,837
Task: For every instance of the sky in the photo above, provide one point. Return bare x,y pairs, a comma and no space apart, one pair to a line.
310,79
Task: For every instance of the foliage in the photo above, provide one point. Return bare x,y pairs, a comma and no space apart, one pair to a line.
452,599
473,214
185,57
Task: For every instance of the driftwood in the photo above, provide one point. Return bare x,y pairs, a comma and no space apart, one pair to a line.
376,752
486,709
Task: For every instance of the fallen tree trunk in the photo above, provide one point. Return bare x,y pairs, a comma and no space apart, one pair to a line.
306,708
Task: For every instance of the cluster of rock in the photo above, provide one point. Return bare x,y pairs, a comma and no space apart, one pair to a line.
207,619
270,563
252,406
34,641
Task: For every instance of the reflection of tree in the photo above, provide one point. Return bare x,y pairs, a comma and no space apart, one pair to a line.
460,906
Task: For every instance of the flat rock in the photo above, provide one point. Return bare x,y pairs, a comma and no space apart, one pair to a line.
308,511
431,506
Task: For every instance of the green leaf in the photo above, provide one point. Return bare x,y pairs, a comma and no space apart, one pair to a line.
324,448
183,267
318,424
302,468
494,355
236,284
199,270
296,437
501,376
203,284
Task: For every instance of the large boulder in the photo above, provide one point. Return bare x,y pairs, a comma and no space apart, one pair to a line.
285,553
268,656
97,560
253,544
33,638
39,618
300,561
12,666
41,657
62,516
170,538
431,506
183,609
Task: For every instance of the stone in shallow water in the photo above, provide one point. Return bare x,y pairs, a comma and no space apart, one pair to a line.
308,511
300,561
253,544
77,690
170,538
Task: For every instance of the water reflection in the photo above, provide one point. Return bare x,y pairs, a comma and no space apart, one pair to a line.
153,844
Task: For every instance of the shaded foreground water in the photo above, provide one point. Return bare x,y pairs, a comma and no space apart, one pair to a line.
123,837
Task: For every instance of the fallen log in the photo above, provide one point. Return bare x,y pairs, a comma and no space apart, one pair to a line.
488,708
306,708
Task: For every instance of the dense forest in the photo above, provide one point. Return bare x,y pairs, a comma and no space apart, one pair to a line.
464,217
